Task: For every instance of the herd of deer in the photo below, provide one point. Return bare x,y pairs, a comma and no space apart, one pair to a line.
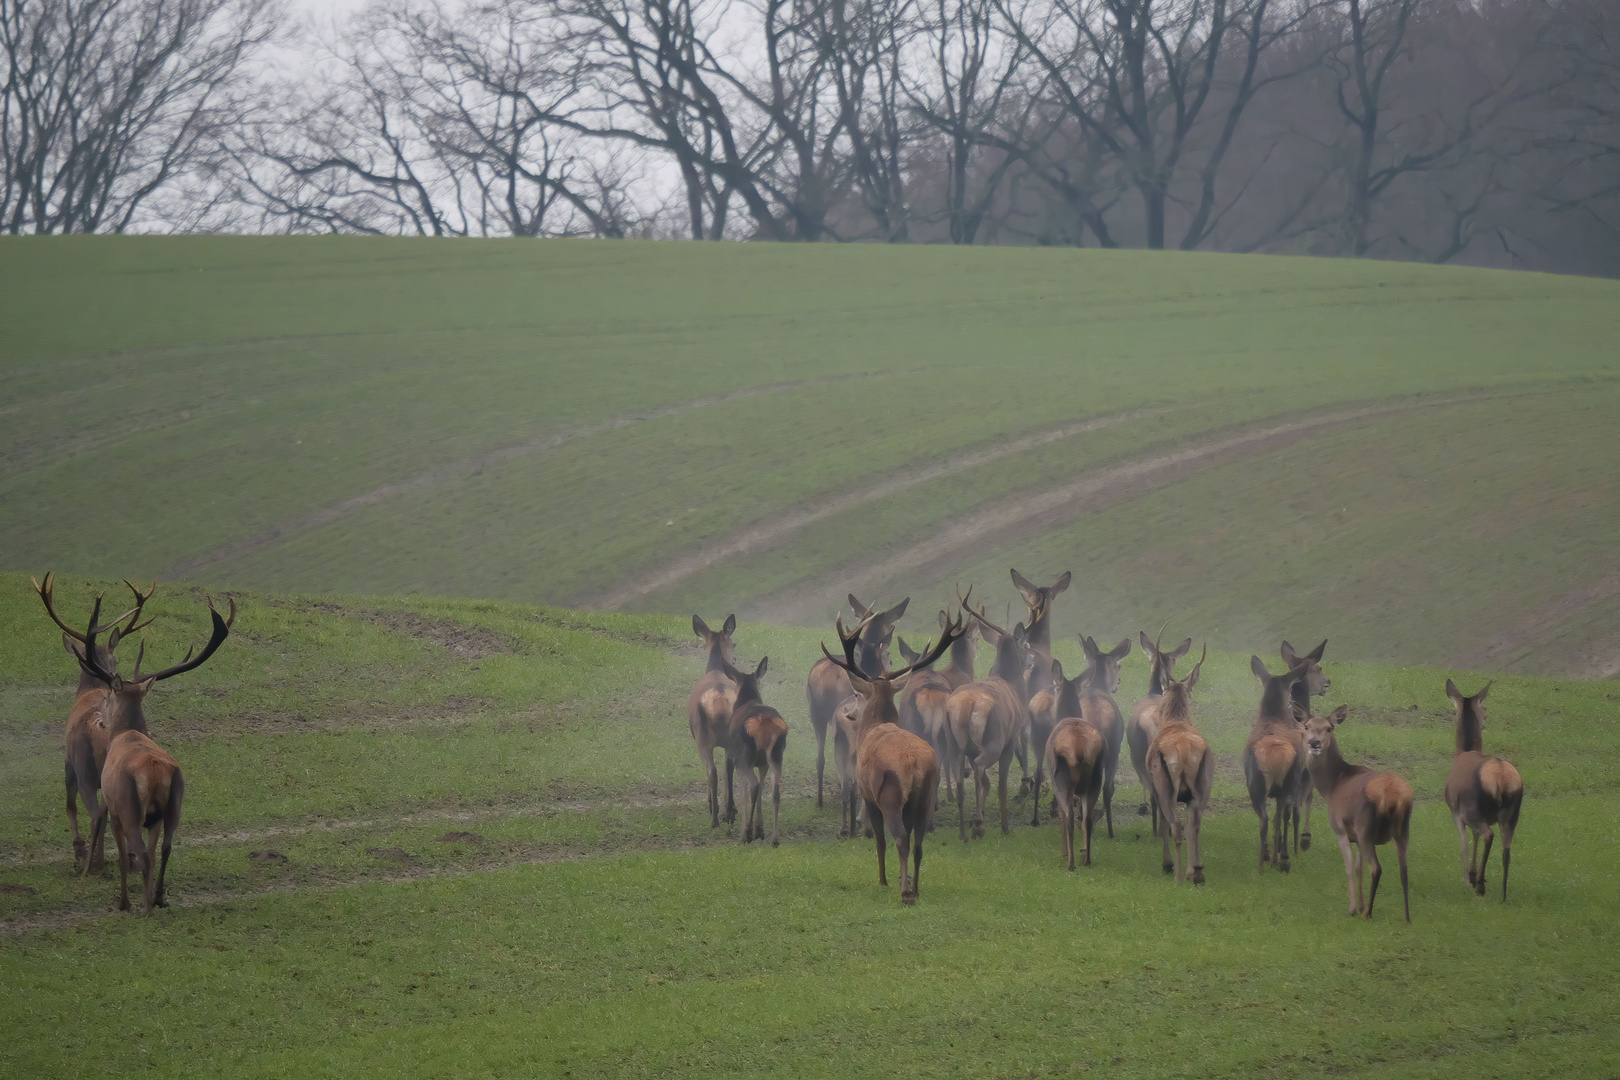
892,728
899,734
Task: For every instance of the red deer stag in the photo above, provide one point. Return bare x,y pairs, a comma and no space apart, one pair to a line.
828,685
1144,722
922,706
1482,790
86,741
1274,759
1365,808
1182,769
1074,757
896,772
1314,684
986,719
756,738
708,709
142,784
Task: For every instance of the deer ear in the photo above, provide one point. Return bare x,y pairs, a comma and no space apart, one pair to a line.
1120,651
1338,715
856,606
1317,653
699,627
1180,650
1057,668
861,685
911,655
1147,646
71,646
944,620
731,625
1062,582
1453,693
1258,666
1088,646
731,673
1479,698
759,672
1031,593
1289,656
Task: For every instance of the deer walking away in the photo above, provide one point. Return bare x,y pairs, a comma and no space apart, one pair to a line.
1482,791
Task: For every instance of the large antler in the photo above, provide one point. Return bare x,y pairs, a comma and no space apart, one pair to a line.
47,594
87,658
222,629
930,654
977,614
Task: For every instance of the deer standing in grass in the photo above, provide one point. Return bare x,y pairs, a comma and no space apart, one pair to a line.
1099,681
85,739
1274,759
1481,791
846,719
896,772
922,705
141,783
1144,722
1182,770
986,719
1040,689
1074,758
1365,808
1313,684
708,710
828,685
756,736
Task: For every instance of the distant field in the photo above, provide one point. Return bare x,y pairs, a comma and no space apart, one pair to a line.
1418,461
491,858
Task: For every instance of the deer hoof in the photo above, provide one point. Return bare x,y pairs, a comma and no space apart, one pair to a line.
908,899
1305,842
1143,811
1198,876
1169,868
1285,865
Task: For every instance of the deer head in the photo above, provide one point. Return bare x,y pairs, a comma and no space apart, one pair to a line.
1318,730
1177,701
1274,696
722,650
125,625
879,687
128,694
747,683
1470,716
1161,664
1039,598
1316,683
1103,673
1011,647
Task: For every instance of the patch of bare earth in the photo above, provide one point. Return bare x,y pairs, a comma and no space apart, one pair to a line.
1600,660
459,639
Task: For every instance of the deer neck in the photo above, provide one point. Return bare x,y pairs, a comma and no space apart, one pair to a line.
868,658
1328,769
87,683
1274,703
1470,736
747,693
1068,699
1009,666
961,657
1155,679
1175,708
876,711
1300,694
128,713
717,659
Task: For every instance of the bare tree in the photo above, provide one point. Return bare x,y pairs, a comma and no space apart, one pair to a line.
105,102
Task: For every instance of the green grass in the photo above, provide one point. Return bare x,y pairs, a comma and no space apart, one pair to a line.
166,398
594,925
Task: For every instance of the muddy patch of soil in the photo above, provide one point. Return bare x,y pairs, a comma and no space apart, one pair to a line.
459,639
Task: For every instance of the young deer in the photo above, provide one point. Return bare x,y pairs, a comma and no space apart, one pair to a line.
1314,684
1182,769
986,719
756,736
708,709
1365,808
142,784
922,705
1274,758
828,685
1074,757
1482,790
896,772
86,740
1144,722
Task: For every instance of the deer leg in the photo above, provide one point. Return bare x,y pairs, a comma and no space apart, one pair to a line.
171,822
1088,822
1462,842
81,850
1373,878
1195,822
821,761
1305,837
149,885
894,819
776,803
1282,834
123,866
1473,862
981,795
1350,874
1265,823
1400,859
1507,851
1361,892
1021,748
731,802
1001,791
714,786
1108,790
1479,881
961,795
876,818
1040,779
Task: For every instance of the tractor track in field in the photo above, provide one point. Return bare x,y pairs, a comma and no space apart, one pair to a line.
998,522
1535,627
771,530
473,465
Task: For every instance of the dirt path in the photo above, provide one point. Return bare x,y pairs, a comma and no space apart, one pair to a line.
472,466
1004,521
774,529
1541,623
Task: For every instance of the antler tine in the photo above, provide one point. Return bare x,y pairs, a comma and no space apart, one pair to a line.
140,602
1159,640
931,652
222,629
46,594
87,659
964,602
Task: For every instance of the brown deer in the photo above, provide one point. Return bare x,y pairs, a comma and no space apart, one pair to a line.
828,685
896,772
1314,684
1144,723
755,740
986,719
1182,770
1074,757
1040,691
86,741
922,705
1274,758
1365,808
708,709
142,785
845,721
1100,679
1482,790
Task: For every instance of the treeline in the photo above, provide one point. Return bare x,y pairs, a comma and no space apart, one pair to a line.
1437,130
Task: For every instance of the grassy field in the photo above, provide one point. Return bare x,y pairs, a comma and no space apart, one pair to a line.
463,838
1419,458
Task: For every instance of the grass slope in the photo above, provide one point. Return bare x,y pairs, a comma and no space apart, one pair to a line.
539,422
495,863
